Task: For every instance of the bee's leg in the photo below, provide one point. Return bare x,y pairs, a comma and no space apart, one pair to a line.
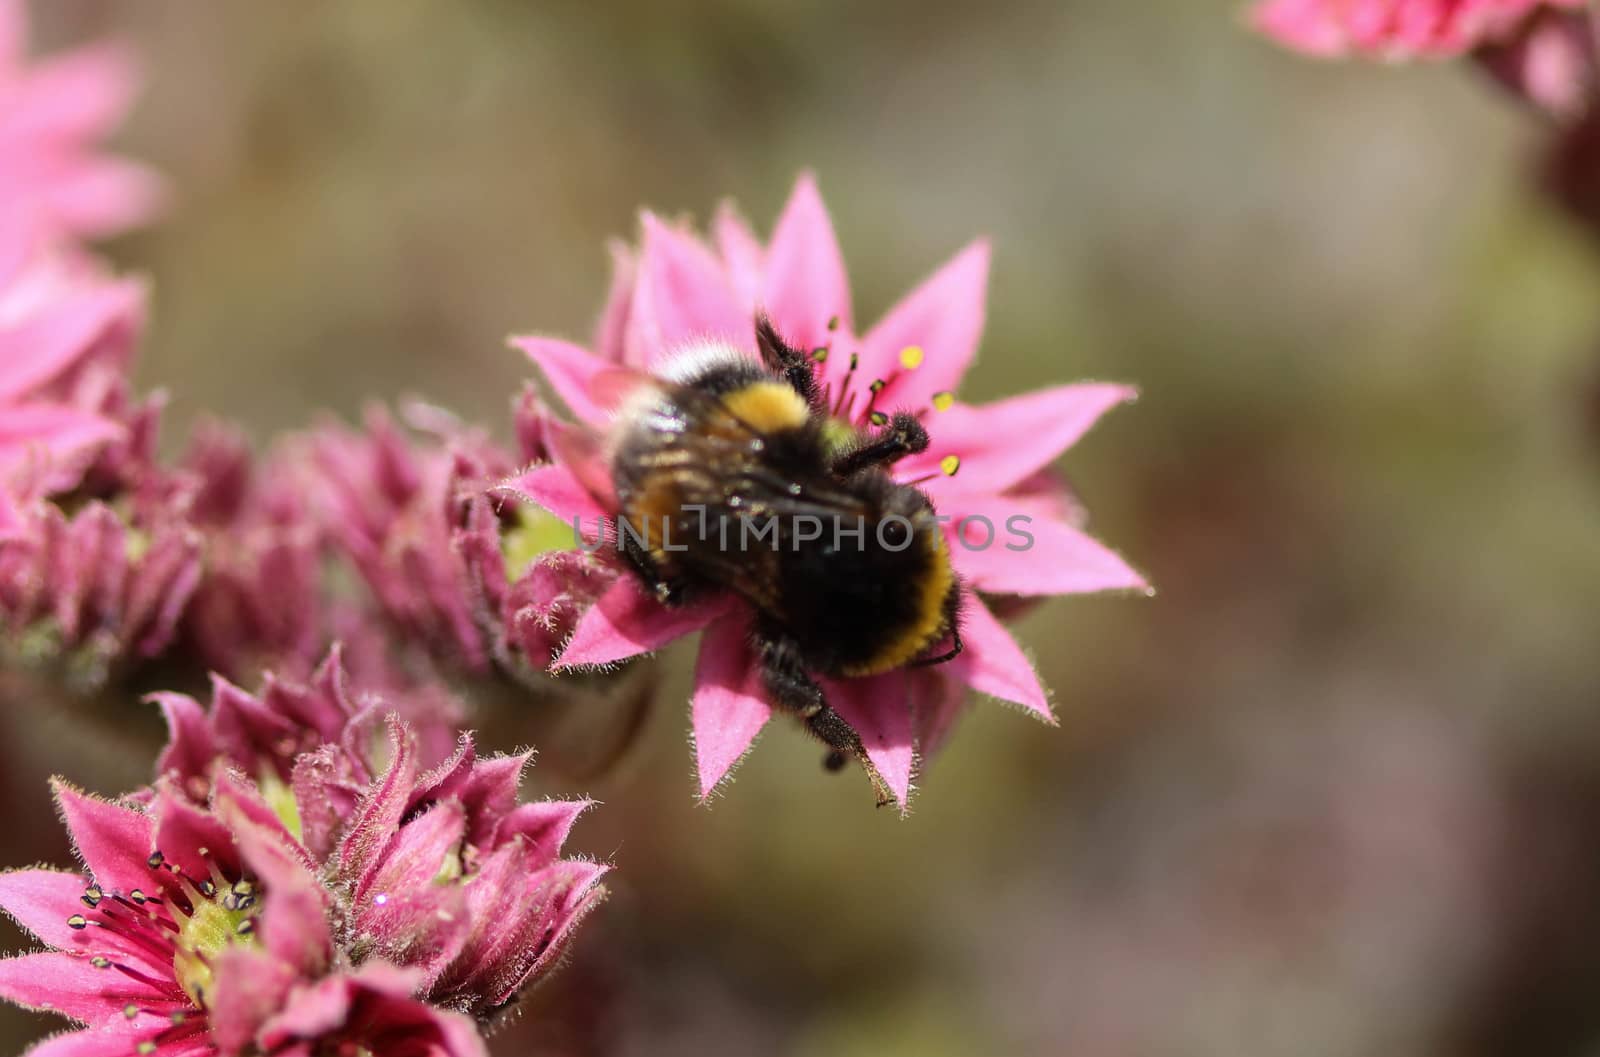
902,435
783,359
668,589
793,689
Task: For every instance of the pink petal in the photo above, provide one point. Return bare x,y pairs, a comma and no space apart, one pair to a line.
374,826
579,449
115,1039
944,318
13,35
113,841
48,343
742,254
424,928
544,824
569,369
294,916
805,284
11,523
879,709
70,985
1026,551
627,621
1305,25
683,295
311,1012
611,333
576,891
1003,443
183,831
994,664
80,95
556,489
54,435
41,901
250,987
730,705
105,197
937,700
420,850
190,747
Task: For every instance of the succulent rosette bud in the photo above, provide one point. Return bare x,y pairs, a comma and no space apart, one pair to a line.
262,602
452,568
264,734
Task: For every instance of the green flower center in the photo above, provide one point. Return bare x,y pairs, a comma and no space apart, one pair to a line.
220,918
535,532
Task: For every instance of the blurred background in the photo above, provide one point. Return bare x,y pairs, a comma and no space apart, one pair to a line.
1336,791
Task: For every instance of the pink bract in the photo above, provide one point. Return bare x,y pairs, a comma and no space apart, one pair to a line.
984,460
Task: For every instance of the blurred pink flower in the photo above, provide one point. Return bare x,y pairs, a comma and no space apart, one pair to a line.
53,112
985,461
199,932
67,334
1549,61
261,603
1394,29
98,588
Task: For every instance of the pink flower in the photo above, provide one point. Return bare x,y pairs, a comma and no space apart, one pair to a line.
438,871
66,336
199,932
52,113
1394,29
349,908
984,462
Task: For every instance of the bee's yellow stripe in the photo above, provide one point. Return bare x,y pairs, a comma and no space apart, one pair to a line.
767,407
929,624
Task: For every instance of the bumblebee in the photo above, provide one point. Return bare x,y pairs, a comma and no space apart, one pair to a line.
731,474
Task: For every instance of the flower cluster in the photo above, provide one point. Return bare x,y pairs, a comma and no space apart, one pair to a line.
327,865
